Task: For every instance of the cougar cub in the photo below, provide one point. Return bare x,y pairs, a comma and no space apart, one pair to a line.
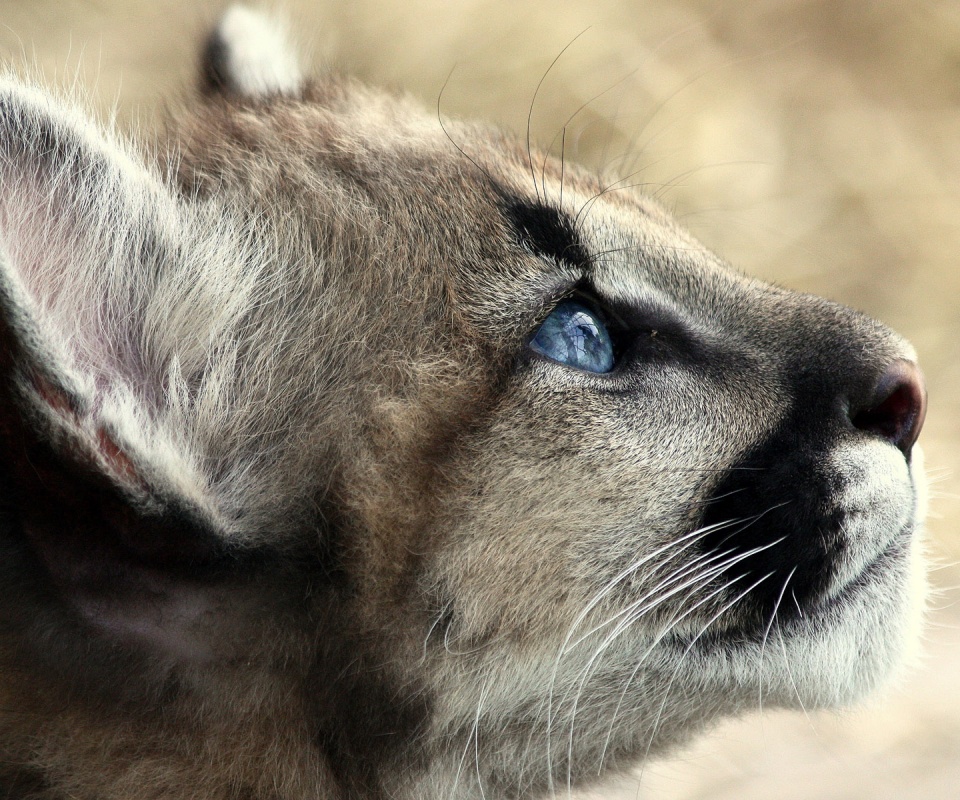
343,456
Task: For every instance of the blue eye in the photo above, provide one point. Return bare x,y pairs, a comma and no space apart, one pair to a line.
575,336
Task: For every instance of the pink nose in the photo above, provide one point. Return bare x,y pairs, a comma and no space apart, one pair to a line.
898,406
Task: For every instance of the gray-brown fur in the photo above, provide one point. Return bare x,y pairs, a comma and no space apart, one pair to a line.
292,510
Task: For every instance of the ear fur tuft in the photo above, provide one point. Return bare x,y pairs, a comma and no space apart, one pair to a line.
248,54
102,492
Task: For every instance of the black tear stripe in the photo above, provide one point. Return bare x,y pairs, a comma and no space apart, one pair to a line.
548,232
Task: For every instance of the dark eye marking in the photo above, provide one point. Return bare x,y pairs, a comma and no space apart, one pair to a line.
547,232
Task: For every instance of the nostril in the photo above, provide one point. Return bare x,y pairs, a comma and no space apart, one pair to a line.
898,406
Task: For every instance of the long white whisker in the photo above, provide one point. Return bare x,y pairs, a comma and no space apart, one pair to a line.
657,639
701,579
629,616
644,605
793,682
686,540
476,740
473,737
756,518
671,578
426,639
672,625
684,654
766,634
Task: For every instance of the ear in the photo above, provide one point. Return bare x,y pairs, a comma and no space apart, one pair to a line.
107,503
248,55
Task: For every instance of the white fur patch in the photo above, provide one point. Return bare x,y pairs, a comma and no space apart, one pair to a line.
257,57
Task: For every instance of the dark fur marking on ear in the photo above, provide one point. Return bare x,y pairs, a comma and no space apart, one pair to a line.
214,77
548,232
247,57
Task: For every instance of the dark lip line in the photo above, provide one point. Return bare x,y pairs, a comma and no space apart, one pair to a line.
865,576
738,637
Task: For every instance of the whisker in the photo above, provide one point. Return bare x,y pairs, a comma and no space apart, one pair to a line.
657,639
793,682
766,633
688,541
671,626
702,579
692,537
630,610
563,162
685,653
449,136
563,129
753,520
533,102
473,737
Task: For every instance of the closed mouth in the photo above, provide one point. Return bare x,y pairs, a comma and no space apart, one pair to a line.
896,548
756,630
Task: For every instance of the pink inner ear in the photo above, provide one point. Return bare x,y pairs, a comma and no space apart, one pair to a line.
119,463
56,398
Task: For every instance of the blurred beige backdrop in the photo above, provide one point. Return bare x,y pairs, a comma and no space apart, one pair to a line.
815,143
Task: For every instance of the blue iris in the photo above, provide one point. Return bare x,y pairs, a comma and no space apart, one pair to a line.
575,336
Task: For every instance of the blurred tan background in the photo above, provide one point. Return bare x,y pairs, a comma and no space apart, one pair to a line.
815,143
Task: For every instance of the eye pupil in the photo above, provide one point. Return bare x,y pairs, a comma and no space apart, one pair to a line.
574,335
